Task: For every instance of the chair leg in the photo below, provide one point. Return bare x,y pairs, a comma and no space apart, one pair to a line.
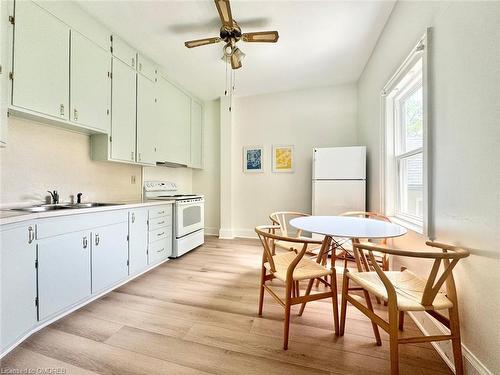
333,288
393,339
261,296
456,341
374,325
401,320
286,330
308,291
343,308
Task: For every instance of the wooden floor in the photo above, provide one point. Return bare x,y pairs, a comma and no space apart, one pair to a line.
198,315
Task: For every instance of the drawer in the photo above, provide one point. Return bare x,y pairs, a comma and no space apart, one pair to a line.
159,211
159,250
160,233
159,222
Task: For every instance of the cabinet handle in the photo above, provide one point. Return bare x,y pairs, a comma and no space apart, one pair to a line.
133,217
159,251
61,109
133,62
161,222
160,234
132,155
140,158
140,66
161,212
85,242
31,234
97,239
75,114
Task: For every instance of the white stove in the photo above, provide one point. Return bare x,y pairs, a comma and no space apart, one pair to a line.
188,215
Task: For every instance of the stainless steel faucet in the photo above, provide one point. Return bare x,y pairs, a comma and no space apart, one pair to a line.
55,196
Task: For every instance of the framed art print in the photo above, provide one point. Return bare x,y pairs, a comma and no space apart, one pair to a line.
283,158
253,157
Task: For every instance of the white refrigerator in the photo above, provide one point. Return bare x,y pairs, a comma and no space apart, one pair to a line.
338,180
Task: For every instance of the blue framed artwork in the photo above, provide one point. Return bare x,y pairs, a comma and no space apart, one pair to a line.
253,159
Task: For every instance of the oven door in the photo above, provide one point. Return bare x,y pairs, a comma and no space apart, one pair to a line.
190,217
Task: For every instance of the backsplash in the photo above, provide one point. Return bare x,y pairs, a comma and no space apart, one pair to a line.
40,158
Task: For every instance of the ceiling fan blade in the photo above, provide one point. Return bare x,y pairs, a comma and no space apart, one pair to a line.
235,61
224,9
261,37
201,42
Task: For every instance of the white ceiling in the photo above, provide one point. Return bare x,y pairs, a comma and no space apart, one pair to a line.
321,42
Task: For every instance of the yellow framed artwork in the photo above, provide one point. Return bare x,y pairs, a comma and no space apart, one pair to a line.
283,158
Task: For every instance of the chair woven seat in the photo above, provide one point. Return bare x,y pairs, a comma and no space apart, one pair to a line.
305,269
409,289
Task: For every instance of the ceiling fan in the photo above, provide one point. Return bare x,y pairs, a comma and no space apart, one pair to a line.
230,32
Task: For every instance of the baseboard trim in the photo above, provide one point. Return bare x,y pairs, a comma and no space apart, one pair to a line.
472,365
226,234
245,233
211,231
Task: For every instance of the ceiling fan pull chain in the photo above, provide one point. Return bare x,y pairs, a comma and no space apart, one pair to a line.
225,92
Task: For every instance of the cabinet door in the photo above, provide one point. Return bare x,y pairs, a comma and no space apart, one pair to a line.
138,240
124,52
196,135
63,272
175,113
146,67
90,84
123,112
5,39
41,62
109,256
146,121
18,284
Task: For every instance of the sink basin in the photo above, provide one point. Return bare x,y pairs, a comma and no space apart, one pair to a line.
90,205
44,208
52,207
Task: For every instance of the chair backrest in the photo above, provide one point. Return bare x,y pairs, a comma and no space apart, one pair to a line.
369,215
282,219
449,256
267,238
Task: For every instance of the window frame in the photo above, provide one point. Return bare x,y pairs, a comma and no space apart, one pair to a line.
392,157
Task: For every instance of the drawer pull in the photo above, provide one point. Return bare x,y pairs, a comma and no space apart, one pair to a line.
161,250
85,242
160,234
31,234
161,212
161,222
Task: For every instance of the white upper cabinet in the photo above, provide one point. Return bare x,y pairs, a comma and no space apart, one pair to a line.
175,113
4,70
146,67
41,65
196,135
124,52
147,121
90,84
124,110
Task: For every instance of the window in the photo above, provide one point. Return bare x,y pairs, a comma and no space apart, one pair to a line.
404,169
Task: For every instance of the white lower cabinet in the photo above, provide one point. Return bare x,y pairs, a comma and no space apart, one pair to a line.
138,240
60,263
17,283
109,256
64,275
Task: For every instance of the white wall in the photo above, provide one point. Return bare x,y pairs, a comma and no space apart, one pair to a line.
40,158
206,181
465,97
311,118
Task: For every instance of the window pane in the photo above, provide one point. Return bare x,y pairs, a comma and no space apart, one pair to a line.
411,185
412,121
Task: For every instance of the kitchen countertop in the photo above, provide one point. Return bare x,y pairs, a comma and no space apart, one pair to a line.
8,216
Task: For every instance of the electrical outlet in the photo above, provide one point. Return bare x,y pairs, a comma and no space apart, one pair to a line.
132,180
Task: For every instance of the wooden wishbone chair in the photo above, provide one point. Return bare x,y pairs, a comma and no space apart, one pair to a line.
290,268
382,259
404,291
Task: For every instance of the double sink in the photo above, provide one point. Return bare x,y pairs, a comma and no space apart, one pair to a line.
63,206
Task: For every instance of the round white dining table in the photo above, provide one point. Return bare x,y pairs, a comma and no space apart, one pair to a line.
348,227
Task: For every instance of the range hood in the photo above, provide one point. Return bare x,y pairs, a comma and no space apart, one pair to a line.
170,164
